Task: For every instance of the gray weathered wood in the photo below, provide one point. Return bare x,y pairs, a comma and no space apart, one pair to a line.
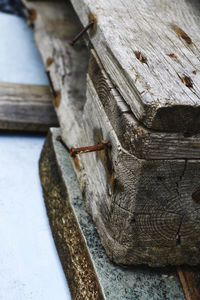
54,25
143,209
134,137
26,107
150,50
90,274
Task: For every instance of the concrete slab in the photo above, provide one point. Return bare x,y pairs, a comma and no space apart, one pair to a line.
29,264
90,273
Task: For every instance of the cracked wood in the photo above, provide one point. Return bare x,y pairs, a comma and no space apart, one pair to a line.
143,209
150,50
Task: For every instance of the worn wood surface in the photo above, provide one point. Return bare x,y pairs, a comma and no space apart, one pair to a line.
54,25
135,138
190,279
89,272
143,209
26,107
150,50
67,67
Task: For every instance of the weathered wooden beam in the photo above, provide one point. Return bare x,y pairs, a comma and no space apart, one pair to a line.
150,50
143,208
67,67
135,138
26,107
89,272
54,25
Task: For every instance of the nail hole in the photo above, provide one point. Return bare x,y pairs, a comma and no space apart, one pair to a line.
160,178
140,57
194,72
187,81
181,34
92,18
133,220
196,196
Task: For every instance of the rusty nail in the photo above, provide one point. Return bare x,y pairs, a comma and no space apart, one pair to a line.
196,196
98,147
79,35
59,139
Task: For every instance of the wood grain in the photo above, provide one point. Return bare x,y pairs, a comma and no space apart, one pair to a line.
26,107
143,209
150,50
190,279
55,25
135,138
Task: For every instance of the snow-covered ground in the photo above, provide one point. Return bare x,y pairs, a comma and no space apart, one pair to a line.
29,264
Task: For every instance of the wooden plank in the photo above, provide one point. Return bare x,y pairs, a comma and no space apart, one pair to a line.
26,107
135,138
90,274
143,209
54,24
63,61
190,279
150,50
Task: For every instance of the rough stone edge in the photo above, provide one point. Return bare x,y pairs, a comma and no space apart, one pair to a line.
74,257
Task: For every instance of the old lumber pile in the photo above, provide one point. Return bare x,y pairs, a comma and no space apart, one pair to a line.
140,92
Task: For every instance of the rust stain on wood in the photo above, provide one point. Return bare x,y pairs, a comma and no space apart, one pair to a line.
172,55
92,18
187,81
140,57
32,14
49,61
181,34
57,99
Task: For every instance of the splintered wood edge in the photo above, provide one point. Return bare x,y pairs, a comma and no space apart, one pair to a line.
70,243
26,107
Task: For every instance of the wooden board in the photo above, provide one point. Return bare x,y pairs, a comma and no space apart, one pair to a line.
190,279
135,138
68,66
143,209
150,50
90,274
26,107
55,23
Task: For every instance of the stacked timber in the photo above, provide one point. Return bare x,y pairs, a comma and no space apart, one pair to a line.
136,94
